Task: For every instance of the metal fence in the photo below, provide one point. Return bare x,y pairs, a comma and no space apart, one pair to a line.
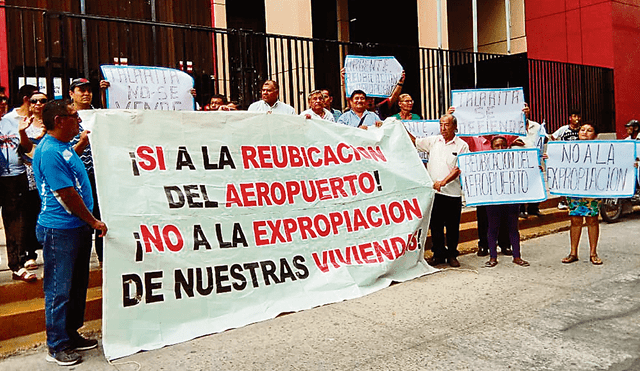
55,47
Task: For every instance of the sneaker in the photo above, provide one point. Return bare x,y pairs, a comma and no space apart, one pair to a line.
483,251
82,343
524,215
562,205
65,357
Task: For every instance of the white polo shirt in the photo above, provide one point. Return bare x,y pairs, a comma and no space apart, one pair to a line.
278,107
326,114
443,157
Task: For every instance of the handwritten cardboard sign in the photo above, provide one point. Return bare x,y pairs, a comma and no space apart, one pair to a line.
422,129
150,88
591,168
376,76
507,176
489,111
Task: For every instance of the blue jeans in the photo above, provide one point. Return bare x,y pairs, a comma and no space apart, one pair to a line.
66,255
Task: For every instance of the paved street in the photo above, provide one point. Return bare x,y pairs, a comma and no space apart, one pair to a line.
549,316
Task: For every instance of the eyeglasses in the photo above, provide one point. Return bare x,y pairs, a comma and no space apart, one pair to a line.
41,101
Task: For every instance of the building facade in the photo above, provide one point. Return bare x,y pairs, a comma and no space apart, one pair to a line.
230,47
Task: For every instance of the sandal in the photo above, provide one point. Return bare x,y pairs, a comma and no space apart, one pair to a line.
595,260
520,262
31,264
491,263
24,275
570,259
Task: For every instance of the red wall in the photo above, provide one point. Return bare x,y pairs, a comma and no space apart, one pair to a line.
602,33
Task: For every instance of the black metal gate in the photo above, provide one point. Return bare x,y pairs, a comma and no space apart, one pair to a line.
56,47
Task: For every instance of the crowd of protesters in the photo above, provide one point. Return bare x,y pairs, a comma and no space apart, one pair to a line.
48,189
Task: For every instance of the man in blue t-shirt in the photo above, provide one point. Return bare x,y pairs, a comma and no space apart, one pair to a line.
64,229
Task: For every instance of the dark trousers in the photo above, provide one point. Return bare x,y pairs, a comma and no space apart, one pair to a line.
13,191
445,214
483,227
66,277
99,242
532,208
31,211
505,217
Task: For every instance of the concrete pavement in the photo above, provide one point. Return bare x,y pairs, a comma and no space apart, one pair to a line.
549,316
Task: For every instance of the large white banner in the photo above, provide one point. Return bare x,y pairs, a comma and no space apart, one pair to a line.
376,76
422,129
150,88
591,168
222,219
509,176
489,111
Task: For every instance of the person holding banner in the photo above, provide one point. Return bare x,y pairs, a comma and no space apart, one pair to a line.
358,116
64,229
270,102
406,105
584,208
317,110
568,132
499,216
443,153
81,95
530,141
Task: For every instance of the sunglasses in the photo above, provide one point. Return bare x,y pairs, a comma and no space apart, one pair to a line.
41,100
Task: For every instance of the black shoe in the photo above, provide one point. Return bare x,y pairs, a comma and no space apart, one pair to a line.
506,251
483,251
435,261
524,215
83,343
65,357
453,262
535,213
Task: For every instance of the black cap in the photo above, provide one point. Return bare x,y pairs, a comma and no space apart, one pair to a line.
78,82
633,123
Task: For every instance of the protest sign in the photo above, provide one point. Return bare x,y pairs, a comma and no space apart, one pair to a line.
150,88
509,176
224,219
422,129
376,76
591,168
489,111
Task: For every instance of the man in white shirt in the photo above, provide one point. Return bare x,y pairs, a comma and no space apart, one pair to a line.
317,110
443,152
270,102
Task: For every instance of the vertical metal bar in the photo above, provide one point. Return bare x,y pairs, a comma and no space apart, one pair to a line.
298,80
24,60
290,65
224,64
85,45
153,32
35,52
441,80
439,22
507,9
63,55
